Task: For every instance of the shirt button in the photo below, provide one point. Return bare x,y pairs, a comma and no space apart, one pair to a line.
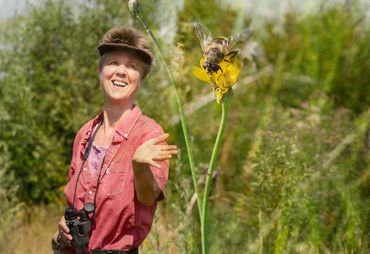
90,193
85,169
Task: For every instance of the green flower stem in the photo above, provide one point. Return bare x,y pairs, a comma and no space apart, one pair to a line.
225,109
182,116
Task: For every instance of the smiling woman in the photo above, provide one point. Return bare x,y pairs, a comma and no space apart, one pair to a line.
116,191
120,77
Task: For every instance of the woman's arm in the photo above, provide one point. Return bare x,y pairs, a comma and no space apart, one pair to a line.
150,153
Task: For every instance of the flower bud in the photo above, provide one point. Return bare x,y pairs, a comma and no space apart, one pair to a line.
133,6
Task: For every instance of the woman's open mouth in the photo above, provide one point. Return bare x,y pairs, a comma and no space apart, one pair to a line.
119,83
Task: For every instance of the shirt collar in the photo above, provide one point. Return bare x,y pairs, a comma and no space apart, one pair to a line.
127,124
91,126
124,128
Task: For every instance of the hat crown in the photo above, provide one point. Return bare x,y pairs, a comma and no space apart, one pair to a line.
123,35
126,38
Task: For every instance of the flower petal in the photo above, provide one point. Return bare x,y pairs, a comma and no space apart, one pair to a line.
201,74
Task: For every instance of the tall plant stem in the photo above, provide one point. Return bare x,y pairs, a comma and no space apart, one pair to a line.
225,109
182,116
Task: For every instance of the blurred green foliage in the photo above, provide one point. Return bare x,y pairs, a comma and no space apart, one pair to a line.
294,173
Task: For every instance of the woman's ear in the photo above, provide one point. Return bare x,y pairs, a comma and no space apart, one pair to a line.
99,74
142,75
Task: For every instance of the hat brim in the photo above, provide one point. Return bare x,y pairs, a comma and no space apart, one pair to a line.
106,47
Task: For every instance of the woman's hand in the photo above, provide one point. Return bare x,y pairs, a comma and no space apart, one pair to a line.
65,236
151,151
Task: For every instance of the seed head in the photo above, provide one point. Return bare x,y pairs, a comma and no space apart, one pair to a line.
134,6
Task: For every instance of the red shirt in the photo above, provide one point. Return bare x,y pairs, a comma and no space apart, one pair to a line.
121,221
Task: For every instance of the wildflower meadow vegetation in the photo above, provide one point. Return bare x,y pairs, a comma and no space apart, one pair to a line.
293,167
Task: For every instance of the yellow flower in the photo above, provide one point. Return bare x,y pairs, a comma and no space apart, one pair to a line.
223,79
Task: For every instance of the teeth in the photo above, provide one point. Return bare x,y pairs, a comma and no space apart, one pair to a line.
119,83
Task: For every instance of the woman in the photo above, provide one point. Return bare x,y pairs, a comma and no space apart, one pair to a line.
126,154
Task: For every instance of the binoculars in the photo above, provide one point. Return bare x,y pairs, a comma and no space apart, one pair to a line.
79,225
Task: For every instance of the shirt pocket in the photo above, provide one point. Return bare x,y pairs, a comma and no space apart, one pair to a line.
113,182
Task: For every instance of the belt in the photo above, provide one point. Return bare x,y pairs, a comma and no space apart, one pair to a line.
133,251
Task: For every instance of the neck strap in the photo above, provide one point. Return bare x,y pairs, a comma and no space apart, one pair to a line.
84,158
88,148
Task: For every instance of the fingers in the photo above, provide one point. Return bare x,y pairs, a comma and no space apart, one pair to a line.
160,138
168,147
169,152
66,239
64,231
63,225
162,157
166,152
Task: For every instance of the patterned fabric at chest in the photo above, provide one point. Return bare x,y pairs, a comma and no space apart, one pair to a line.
96,157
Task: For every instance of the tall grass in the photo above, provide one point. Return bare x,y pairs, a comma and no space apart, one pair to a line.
31,231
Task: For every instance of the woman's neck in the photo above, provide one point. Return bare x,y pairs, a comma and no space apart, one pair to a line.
113,114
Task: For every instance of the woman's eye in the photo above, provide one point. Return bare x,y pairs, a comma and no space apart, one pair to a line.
132,66
113,63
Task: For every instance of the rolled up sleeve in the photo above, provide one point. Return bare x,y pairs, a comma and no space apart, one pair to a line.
160,174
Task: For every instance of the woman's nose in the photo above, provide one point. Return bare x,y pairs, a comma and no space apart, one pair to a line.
121,70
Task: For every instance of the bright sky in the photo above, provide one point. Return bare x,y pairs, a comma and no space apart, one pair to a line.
267,8
9,8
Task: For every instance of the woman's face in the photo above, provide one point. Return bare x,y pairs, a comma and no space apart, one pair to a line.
120,76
